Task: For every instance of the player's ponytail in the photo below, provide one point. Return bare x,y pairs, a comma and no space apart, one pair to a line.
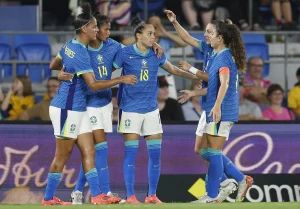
233,40
83,18
101,19
138,25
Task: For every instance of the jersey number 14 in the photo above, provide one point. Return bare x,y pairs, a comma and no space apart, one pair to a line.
103,71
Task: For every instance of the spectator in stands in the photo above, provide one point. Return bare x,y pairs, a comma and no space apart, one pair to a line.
248,110
281,8
191,9
276,111
114,101
169,109
294,97
255,85
18,98
40,110
192,109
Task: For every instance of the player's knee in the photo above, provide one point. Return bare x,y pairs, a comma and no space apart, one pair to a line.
88,152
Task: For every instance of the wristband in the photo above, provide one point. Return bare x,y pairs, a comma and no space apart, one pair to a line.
193,70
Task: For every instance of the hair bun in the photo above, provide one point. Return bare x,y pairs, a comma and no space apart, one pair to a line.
136,21
86,9
229,22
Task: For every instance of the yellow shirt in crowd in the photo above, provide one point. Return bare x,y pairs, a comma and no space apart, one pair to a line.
294,99
19,104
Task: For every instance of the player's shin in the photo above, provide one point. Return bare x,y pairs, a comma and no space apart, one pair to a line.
154,153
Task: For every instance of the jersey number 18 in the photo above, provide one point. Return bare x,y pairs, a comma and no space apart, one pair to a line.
144,76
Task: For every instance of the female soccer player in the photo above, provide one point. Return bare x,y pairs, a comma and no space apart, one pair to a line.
68,108
227,186
139,114
222,104
99,107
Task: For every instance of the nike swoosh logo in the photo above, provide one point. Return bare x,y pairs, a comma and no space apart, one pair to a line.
130,165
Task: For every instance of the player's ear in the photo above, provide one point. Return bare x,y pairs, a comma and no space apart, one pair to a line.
138,35
84,29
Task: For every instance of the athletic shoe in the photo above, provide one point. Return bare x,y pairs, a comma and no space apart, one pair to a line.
132,200
76,197
227,187
55,201
153,200
243,188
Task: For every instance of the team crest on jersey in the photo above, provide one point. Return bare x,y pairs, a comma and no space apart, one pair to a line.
93,120
100,59
72,128
127,123
144,63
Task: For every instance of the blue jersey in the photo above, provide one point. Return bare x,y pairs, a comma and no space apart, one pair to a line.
72,94
230,104
102,63
142,97
207,51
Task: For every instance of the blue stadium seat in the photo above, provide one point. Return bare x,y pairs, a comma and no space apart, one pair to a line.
155,7
255,45
33,47
5,54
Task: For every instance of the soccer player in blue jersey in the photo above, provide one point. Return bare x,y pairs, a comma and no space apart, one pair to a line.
99,107
68,109
222,104
139,114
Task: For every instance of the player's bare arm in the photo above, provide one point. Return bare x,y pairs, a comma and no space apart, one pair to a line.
187,67
172,69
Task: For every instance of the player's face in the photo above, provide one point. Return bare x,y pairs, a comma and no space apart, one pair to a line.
276,97
104,32
92,29
52,88
215,39
148,36
208,32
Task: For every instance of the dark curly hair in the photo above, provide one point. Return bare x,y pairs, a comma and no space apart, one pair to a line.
101,19
272,88
233,40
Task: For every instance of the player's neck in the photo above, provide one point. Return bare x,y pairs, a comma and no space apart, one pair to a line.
220,48
141,48
82,39
95,44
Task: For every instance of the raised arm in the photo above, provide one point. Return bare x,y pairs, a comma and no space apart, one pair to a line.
187,67
184,35
176,71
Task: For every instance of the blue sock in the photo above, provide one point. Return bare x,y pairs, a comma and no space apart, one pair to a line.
93,181
224,177
52,183
102,167
131,148
215,172
154,149
231,170
81,180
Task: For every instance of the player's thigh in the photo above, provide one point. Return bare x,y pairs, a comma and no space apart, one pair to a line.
152,124
65,123
130,122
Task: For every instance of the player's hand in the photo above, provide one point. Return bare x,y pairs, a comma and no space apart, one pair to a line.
129,79
171,16
63,76
215,113
185,96
157,50
184,65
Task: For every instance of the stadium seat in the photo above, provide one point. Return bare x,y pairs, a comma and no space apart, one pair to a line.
155,7
33,47
5,54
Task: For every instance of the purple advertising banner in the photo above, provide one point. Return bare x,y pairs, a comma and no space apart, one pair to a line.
26,152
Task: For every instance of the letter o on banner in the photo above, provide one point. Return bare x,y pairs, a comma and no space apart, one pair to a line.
259,191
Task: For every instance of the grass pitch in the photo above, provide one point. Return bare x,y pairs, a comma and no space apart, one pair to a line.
284,205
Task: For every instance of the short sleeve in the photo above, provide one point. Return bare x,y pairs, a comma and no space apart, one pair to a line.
257,111
163,60
118,60
292,100
61,51
82,62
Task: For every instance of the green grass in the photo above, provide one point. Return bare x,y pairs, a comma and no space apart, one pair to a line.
283,205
